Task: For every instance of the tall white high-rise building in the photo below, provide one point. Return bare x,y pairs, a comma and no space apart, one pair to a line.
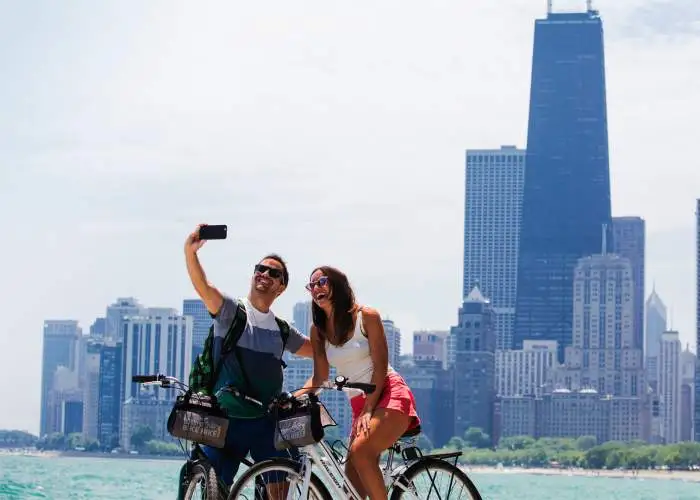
669,380
393,341
159,341
492,212
301,315
525,371
656,324
603,356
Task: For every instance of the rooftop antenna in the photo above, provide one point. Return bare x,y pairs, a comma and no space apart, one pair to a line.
589,5
549,6
605,240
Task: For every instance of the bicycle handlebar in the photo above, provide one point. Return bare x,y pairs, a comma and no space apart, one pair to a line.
147,379
339,384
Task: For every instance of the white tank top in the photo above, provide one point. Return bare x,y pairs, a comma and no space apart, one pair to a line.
353,359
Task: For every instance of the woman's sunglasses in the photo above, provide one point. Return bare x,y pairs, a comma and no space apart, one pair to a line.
271,271
322,281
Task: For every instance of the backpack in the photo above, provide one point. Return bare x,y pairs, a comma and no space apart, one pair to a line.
230,343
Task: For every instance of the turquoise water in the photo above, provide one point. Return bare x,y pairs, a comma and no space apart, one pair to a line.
103,478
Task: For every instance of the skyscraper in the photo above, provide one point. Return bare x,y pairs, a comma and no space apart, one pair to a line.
566,196
201,321
110,384
302,317
492,210
655,325
669,377
122,307
628,242
60,349
474,368
393,341
696,429
602,355
160,341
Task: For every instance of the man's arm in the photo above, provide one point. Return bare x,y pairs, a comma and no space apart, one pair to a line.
306,350
212,298
321,365
299,344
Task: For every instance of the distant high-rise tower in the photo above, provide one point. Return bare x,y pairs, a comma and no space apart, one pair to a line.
628,242
201,321
669,377
492,210
566,196
474,368
603,356
159,341
688,360
110,384
696,426
393,341
122,307
656,324
302,317
60,348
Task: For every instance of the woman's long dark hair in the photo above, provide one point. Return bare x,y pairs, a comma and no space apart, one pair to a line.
343,300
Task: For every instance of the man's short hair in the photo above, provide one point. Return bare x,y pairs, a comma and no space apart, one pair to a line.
285,272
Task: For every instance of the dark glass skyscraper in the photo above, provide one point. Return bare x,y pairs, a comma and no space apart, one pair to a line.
566,197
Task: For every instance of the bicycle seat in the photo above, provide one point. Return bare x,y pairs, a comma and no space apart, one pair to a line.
411,432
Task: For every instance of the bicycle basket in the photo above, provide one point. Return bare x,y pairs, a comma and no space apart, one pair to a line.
198,418
300,425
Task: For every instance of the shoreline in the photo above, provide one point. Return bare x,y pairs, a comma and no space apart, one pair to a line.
85,454
674,475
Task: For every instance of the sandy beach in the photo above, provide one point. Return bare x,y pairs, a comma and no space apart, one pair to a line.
692,476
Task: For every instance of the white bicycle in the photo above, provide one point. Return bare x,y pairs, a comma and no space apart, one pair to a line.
415,476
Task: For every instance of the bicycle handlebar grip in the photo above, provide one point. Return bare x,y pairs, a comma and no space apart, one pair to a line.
366,388
143,379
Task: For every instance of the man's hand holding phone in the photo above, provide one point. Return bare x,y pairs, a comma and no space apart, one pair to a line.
205,232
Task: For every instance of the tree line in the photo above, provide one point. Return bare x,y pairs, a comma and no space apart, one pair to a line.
583,452
141,440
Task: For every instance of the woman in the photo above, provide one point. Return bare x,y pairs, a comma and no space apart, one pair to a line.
351,338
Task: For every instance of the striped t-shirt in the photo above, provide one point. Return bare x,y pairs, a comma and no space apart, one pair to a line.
260,350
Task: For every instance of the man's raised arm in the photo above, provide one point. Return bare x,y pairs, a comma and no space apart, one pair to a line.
211,297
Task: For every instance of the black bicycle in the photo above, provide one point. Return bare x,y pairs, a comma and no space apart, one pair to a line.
196,419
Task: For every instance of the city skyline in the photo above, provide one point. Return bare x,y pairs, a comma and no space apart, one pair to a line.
110,144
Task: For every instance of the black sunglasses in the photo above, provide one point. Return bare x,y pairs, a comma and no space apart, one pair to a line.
273,272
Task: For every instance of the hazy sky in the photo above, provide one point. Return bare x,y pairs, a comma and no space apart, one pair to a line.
328,131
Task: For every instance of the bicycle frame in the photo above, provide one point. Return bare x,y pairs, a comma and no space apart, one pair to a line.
323,456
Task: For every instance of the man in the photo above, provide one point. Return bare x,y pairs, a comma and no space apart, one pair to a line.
253,364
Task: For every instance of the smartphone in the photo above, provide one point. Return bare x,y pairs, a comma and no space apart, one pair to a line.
208,232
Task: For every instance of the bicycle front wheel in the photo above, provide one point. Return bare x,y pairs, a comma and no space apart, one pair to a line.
202,484
276,478
434,478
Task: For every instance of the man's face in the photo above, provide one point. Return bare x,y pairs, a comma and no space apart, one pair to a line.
268,278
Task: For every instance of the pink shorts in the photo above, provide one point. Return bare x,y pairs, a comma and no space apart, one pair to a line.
396,395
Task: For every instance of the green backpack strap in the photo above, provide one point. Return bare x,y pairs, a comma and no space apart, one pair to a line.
284,333
221,347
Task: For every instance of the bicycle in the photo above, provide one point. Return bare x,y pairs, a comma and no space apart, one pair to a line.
197,473
400,480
